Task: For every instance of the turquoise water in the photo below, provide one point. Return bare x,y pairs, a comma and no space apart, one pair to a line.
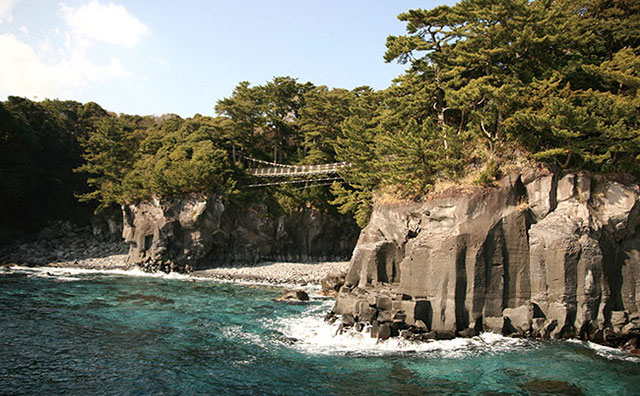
114,334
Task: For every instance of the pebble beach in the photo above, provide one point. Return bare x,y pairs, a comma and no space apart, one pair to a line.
277,273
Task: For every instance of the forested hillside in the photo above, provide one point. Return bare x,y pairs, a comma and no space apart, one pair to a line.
40,145
490,81
489,85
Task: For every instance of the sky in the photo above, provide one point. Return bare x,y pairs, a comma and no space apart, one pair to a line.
157,57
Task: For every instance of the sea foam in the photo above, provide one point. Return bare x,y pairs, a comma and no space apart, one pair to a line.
315,336
607,352
71,273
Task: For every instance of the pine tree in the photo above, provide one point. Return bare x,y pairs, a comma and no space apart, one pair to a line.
109,153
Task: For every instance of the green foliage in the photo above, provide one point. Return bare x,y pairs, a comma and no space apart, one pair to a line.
110,150
263,119
483,75
355,200
489,175
410,159
584,129
186,160
558,80
38,149
560,77
320,122
356,146
173,157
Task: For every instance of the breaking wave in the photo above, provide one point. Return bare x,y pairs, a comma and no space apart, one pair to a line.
315,336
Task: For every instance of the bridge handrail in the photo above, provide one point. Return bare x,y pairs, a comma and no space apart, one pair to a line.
298,170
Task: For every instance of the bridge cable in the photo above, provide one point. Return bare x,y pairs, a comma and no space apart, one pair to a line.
259,161
293,182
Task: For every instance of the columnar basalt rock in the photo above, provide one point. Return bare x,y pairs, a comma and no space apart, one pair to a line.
199,232
543,254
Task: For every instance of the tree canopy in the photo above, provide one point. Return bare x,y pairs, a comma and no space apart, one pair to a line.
555,81
486,82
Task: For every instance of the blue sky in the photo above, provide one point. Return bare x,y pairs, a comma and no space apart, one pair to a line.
157,57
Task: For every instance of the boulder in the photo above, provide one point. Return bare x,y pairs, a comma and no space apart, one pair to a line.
520,318
468,333
293,296
493,324
348,320
537,325
618,319
384,331
332,283
630,328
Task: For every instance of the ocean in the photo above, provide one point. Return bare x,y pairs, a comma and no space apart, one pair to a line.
76,332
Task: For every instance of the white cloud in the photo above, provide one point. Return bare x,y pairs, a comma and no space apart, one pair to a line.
25,73
5,10
59,65
109,23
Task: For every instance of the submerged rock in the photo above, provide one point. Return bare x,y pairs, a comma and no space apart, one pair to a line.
541,255
293,296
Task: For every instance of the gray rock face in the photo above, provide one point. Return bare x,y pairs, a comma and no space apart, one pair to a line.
543,254
198,233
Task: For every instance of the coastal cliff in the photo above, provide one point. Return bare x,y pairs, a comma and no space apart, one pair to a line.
542,254
198,233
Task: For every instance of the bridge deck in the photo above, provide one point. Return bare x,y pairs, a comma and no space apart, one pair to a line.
302,170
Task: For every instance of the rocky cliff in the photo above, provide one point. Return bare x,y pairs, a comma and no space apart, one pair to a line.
199,232
542,254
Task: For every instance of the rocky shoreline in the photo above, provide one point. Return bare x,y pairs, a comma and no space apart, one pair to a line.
383,309
198,233
539,255
64,245
302,274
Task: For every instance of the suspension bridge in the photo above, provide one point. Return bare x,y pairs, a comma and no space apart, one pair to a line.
310,173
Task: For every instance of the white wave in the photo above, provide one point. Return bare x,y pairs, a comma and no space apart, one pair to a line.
66,279
607,352
57,272
238,333
314,335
